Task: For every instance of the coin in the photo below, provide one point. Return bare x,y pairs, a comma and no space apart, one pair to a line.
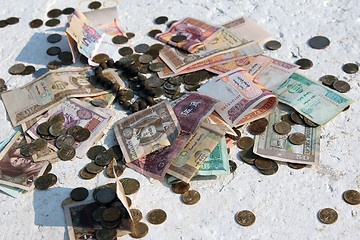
36,23
12,20
94,5
273,45
287,118
245,218
156,216
154,82
171,88
65,55
105,233
39,143
153,32
57,129
119,169
68,10
264,163
327,215
169,24
282,128
66,201
328,80
28,149
97,214
16,69
64,140
94,151
3,23
53,65
43,128
158,92
140,230
52,22
157,67
146,58
28,70
178,38
319,42
111,214
119,39
54,13
45,181
176,80
82,134
233,166
104,158
84,174
245,142
304,63
48,169
52,51
125,51
144,69
73,129
190,197
128,200
101,57
130,35
136,215
296,165
258,126
248,156
97,102
2,82
341,86
161,20
269,171
57,118
105,195
130,185
350,68
141,48
79,194
297,138
296,118
116,151
180,187
310,123
94,168
67,153
54,38
352,197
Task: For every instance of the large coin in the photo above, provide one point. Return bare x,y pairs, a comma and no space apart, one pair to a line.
180,187
57,129
16,69
264,164
104,158
140,230
141,48
105,195
297,138
40,144
54,38
111,214
161,20
319,42
273,45
258,126
157,67
233,166
45,181
304,63
67,153
52,22
341,86
190,197
327,215
57,118
146,58
350,68
54,13
119,169
82,134
282,128
36,23
248,156
94,168
64,140
130,185
94,151
136,215
105,234
245,218
352,197
156,216
28,149
119,39
43,128
73,129
84,174
79,194
328,80
245,142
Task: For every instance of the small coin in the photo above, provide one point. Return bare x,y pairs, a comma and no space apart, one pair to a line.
106,234
157,46
327,215
73,129
157,67
28,70
233,166
45,181
52,22
2,82
101,57
43,128
157,216
245,218
296,165
54,38
190,197
28,149
273,45
119,39
94,168
66,201
97,102
248,156
53,65
282,128
40,144
171,88
67,153
352,197
296,118
57,118
130,185
64,54
136,215
94,5
310,123
36,23
264,164
104,158
84,174
111,214
57,129
79,194
128,94
161,20
140,230
146,58
341,86
12,20
16,69
64,140
297,138
153,52
319,42
178,38
304,63
125,51
158,92
328,80
54,13
68,11
141,48
153,32
110,225
180,187
53,51
130,35
119,169
94,151
105,195
82,134
350,68
245,142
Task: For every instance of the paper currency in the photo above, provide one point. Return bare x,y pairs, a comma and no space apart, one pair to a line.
171,179
270,72
31,100
15,169
78,113
147,131
46,154
191,110
109,98
198,33
277,147
242,99
217,163
318,103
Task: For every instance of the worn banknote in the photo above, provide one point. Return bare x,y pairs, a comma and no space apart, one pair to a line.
317,102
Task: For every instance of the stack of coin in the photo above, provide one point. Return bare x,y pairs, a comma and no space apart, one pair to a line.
266,166
193,80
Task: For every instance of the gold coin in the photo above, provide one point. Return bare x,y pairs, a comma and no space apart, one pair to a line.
259,126
190,197
327,215
264,164
286,118
130,185
245,142
282,128
352,197
245,218
136,215
156,216
297,138
140,230
101,57
180,187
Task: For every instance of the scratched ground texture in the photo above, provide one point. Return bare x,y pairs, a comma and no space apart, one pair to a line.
285,204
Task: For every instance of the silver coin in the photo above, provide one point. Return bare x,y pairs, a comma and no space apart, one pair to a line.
57,129
64,140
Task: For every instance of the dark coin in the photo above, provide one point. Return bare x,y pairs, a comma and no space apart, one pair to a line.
12,20
319,42
54,38
97,102
171,88
136,215
156,46
57,118
57,129
157,67
310,123
52,51
3,88
68,11
116,151
66,60
16,69
178,38
67,153
119,39
233,166
39,143
3,23
153,32
176,80
128,200
104,158
296,118
53,65
258,126
105,234
48,169
141,48
127,60
130,185
94,5
352,197
111,214
327,215
296,165
140,230
73,129
36,23
282,128
79,194
158,92
264,164
180,187
245,218
45,181
169,24
105,195
52,22
245,142
192,78
287,118
202,75
28,70
101,57
66,201
128,94
2,82
328,80
119,169
110,225
269,171
157,216
64,140
146,58
350,68
190,197
94,151
248,156
94,168
304,63
28,149
297,138
82,134
144,69
43,128
84,174
154,82
273,45
161,20
130,35
125,51
54,13
97,214
341,86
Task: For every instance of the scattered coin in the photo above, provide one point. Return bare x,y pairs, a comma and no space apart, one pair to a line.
57,129
94,5
296,165
141,48
190,197
45,181
154,82
54,13
79,194
97,214
28,70
105,233
119,169
156,216
116,151
130,35
310,123
157,67
104,158
28,149
282,128
328,80
180,187
297,138
304,63
120,39
64,140
296,118
352,197
67,153
178,38
136,215
53,65
248,156
52,22
54,38
130,185
125,51
101,57
245,218
36,23
341,86
153,32
140,230
84,174
233,166
82,134
319,42
53,51
161,20
12,20
257,127
97,102
73,129
39,143
273,45
105,195
16,69
350,68
245,142
68,11
94,168
327,215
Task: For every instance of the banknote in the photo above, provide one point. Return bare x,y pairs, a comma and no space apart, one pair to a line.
109,98
217,163
146,131
31,100
197,34
46,154
15,169
277,147
270,72
77,113
317,102
191,110
242,99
